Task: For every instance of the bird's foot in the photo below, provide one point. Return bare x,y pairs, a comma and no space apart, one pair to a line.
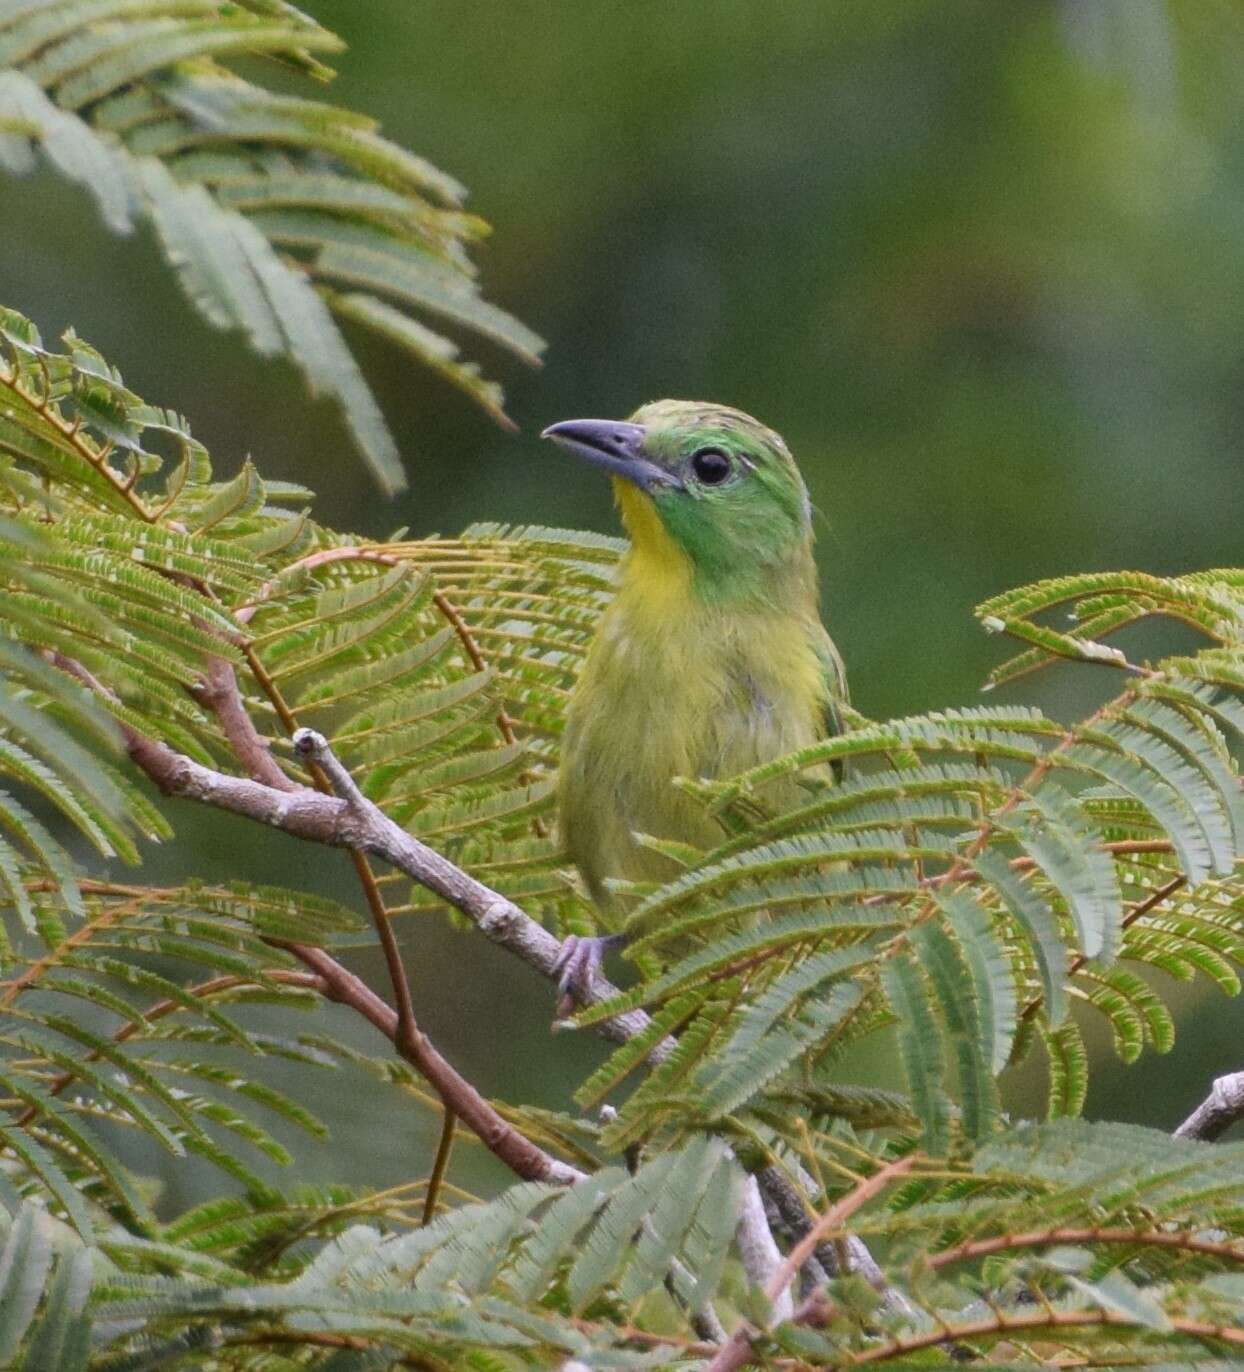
577,967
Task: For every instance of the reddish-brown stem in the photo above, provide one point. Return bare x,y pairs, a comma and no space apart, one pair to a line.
1006,1322
834,1217
523,1157
69,431
82,935
737,1349
219,693
1078,960
439,1167
303,1338
247,743
1042,1238
283,806
1151,901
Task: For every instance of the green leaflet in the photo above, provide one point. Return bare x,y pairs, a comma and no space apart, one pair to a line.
664,1091
1064,848
707,1243
474,1253
557,1233
62,1337
1193,730
72,148
123,1068
912,795
1024,904
432,349
377,655
1068,1064
32,1272
664,1233
1137,1015
802,852
992,977
967,1011
780,1025
920,1045
25,1263
606,1246
117,93
627,1058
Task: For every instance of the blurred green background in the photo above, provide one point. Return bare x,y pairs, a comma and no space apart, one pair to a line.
981,264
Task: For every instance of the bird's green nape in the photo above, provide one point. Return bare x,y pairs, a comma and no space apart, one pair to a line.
709,496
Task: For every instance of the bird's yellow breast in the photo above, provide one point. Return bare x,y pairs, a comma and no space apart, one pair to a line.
676,687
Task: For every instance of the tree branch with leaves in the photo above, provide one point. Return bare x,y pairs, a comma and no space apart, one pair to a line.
720,1191
977,867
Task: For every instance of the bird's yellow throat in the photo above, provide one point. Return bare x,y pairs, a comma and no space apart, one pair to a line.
658,573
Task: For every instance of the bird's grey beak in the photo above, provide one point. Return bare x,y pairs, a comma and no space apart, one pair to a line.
617,447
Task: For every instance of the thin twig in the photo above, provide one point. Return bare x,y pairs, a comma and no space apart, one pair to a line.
1005,1322
737,1350
458,1096
345,818
218,692
330,820
789,1204
1078,960
971,1249
833,1218
526,1159
223,696
349,820
443,1150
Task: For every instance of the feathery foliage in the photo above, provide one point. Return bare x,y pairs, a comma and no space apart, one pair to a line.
280,214
1061,1237
978,872
980,881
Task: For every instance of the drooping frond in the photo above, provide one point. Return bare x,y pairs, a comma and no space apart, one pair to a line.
117,1014
45,1282
279,213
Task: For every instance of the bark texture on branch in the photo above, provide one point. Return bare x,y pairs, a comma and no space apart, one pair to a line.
350,820
1218,1111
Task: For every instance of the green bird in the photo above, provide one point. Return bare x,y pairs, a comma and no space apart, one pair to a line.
711,657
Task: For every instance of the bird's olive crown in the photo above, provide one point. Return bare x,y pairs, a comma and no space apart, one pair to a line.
737,505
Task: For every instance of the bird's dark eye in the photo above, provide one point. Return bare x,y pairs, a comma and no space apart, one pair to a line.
711,466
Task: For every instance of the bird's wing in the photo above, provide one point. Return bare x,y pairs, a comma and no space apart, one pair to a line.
836,693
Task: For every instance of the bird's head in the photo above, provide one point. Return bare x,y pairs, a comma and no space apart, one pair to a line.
704,484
